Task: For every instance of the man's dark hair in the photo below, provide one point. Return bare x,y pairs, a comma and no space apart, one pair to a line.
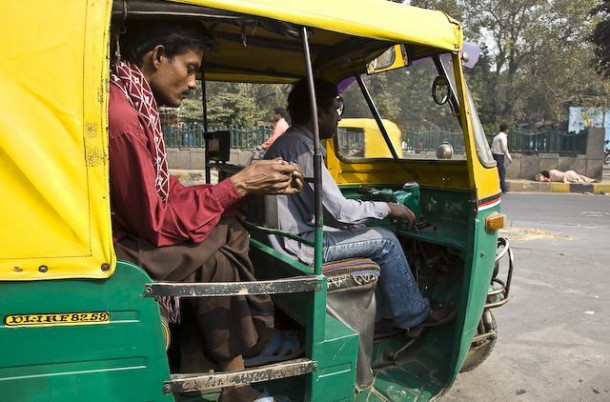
298,100
141,36
281,111
546,174
503,127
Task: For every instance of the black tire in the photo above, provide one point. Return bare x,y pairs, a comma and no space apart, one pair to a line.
479,351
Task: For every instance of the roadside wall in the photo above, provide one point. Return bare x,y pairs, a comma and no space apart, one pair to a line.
590,164
194,158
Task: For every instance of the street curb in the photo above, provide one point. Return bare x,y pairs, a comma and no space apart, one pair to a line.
539,187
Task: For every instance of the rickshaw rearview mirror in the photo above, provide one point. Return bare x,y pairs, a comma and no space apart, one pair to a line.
392,59
440,90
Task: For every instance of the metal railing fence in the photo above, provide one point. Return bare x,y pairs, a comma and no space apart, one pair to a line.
546,141
430,140
190,135
187,135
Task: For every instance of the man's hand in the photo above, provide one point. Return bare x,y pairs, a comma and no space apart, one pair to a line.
274,176
401,212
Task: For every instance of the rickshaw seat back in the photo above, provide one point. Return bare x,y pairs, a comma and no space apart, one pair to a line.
262,211
351,300
77,339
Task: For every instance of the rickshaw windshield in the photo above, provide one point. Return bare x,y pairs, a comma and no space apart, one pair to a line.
483,150
415,123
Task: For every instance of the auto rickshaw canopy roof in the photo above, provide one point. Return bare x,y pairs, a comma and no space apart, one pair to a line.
260,41
54,77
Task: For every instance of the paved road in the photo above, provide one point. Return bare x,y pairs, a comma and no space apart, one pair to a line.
554,334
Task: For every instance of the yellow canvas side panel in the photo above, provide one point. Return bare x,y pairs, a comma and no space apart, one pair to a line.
53,161
376,19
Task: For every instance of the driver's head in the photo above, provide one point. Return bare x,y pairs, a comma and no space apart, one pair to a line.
168,53
326,100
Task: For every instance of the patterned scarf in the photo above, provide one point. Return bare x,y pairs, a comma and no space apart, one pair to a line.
132,82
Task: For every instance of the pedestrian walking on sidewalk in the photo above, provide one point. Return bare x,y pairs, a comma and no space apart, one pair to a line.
499,149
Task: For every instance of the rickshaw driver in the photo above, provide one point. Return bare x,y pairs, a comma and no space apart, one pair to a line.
182,233
345,236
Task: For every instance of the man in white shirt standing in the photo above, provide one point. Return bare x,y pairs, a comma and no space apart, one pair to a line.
499,149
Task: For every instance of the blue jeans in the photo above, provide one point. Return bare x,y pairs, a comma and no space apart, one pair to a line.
501,171
398,297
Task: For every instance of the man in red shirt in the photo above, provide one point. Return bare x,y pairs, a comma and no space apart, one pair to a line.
182,233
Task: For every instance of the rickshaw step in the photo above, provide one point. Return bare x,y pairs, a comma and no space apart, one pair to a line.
297,284
201,382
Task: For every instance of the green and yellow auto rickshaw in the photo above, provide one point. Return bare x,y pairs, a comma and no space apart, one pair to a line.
362,137
76,324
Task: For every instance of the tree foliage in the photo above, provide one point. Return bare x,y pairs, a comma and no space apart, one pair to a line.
538,57
242,105
600,37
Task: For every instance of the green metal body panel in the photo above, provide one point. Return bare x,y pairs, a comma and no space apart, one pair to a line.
478,277
408,370
123,359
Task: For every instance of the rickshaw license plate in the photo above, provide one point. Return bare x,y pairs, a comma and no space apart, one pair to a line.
85,318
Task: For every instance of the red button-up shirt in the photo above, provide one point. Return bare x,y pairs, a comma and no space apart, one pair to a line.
190,212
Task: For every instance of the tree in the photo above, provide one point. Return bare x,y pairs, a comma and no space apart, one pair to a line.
537,53
236,104
600,37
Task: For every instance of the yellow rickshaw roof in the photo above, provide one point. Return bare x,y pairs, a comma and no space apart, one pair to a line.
259,41
374,19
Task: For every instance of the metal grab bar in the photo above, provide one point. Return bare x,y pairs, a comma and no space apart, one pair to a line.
205,381
296,284
504,288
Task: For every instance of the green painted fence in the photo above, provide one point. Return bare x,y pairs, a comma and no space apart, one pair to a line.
546,141
190,135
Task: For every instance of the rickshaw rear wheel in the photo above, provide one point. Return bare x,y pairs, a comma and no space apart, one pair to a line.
480,350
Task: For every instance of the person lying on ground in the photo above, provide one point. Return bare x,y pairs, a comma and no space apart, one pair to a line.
557,176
